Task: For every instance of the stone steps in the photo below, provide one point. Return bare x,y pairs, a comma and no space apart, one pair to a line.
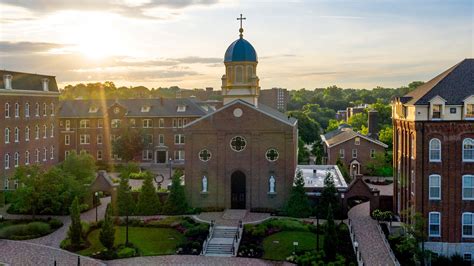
221,242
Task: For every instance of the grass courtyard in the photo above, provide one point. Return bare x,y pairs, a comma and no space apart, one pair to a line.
150,241
280,245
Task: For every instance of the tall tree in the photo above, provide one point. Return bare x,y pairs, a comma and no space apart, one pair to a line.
27,198
107,232
176,203
125,202
148,201
330,236
329,196
298,203
130,143
75,229
81,166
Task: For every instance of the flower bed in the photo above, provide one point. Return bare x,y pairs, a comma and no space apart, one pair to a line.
28,229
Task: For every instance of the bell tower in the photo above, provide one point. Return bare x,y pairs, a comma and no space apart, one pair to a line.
240,80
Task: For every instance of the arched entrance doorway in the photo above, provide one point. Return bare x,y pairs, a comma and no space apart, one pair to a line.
237,190
354,168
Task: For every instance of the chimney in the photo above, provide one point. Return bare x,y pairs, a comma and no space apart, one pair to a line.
161,100
373,124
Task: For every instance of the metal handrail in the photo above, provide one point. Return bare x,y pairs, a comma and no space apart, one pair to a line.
387,245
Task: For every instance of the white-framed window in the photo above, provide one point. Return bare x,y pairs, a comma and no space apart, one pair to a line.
67,139
45,109
16,159
37,109
37,132
468,224
437,111
145,109
27,133
51,152
116,123
93,109
180,123
45,131
354,153
17,110
175,123
435,150
372,153
468,150
66,154
185,121
341,153
45,154
161,123
7,79
435,187
468,187
85,139
52,130
205,155
7,135
84,123
6,183
357,141
37,155
99,155
27,110
147,155
161,139
27,157
434,224
7,110
147,123
116,157
179,155
100,123
181,108
99,139
469,110
467,257
17,135
179,139
52,109
68,125
45,84
7,161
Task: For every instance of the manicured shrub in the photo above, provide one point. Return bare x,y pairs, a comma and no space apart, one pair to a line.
298,203
148,201
176,202
125,201
75,229
126,252
55,223
107,232
25,231
38,228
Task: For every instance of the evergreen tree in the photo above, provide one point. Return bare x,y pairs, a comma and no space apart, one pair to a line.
298,203
328,196
176,202
107,232
125,201
330,237
75,229
345,173
148,201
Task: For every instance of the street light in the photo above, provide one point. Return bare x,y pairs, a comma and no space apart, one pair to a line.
96,199
171,161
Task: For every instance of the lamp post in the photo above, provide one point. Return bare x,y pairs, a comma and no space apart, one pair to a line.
170,160
342,207
126,219
295,245
96,199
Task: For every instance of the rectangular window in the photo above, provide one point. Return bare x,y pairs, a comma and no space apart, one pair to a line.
372,153
180,123
85,139
161,139
434,221
179,155
99,139
116,123
99,155
468,187
467,257
468,224
185,121
179,139
68,125
100,123
435,187
147,155
175,123
437,111
341,153
67,139
354,153
161,122
84,123
147,123
148,139
357,141
181,108
66,154
470,110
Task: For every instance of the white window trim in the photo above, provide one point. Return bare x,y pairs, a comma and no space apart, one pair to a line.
462,185
342,154
372,153
429,224
354,157
462,225
429,151
466,160
429,187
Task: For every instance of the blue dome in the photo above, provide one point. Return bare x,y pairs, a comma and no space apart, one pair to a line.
240,50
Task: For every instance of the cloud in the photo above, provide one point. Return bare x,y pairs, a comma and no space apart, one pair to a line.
27,47
138,8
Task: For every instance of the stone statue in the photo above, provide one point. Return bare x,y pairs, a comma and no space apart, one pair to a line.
272,184
204,184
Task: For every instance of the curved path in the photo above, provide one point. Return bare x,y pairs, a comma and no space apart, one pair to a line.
193,260
371,244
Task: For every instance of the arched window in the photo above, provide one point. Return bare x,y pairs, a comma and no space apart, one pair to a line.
37,109
7,135
37,132
17,159
17,110
7,161
51,151
435,150
45,154
17,134
27,157
468,150
7,110
27,133
52,109
27,110
249,73
468,224
52,130
45,131
239,74
45,109
37,155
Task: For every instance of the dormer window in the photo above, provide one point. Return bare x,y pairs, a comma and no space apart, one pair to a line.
45,84
357,141
146,109
181,108
93,109
470,110
7,81
437,111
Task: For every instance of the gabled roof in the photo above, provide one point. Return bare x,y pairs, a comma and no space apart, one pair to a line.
341,135
28,81
291,121
454,85
158,107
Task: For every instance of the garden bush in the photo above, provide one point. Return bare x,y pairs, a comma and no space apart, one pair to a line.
55,223
25,231
126,252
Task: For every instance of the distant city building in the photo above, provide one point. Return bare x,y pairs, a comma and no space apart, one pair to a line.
341,115
350,111
28,123
277,98
433,156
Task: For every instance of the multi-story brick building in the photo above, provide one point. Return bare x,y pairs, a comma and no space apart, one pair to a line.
28,122
433,157
91,126
276,98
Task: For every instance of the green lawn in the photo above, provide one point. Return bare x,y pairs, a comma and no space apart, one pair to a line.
150,241
280,250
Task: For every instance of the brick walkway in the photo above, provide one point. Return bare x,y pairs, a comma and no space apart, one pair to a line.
193,260
370,241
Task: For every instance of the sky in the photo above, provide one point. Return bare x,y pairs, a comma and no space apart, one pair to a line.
300,44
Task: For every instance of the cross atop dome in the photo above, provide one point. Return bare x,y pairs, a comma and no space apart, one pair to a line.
241,30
